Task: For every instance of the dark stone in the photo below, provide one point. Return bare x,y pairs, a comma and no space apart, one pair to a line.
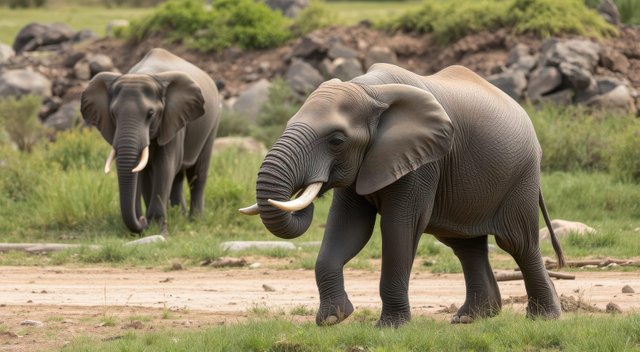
512,82
23,82
337,50
543,80
67,117
346,69
100,63
302,77
249,102
36,35
308,46
380,54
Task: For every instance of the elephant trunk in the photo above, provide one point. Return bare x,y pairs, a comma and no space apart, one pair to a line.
128,155
280,177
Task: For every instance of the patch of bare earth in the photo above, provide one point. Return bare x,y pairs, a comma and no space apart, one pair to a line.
108,302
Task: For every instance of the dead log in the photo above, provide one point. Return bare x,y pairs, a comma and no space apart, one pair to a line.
517,275
550,264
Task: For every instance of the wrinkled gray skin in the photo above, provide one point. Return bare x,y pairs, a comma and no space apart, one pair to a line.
447,154
170,105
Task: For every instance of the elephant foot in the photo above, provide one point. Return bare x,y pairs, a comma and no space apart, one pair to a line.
551,309
393,320
469,312
334,311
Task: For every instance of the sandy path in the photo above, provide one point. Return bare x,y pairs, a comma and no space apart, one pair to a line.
73,300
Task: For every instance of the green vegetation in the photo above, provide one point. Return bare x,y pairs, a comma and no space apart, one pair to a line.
19,116
451,20
629,11
509,332
246,23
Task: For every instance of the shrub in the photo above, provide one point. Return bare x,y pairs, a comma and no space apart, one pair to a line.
451,20
629,11
313,17
23,3
276,111
233,124
19,115
246,23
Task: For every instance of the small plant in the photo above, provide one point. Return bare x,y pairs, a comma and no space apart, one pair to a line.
592,240
276,111
314,16
108,320
302,311
259,310
19,115
625,160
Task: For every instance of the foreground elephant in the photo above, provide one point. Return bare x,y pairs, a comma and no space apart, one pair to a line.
448,154
163,112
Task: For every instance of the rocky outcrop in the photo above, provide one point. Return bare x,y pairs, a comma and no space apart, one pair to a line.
37,36
24,82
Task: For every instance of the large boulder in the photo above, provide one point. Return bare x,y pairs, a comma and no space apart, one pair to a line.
36,35
580,52
308,47
289,8
24,82
613,95
543,80
67,117
346,69
339,50
563,228
380,54
6,52
100,63
512,82
302,77
249,103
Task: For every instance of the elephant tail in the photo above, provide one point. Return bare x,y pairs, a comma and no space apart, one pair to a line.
554,239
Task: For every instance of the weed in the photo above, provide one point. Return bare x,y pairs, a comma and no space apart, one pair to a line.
19,116
302,310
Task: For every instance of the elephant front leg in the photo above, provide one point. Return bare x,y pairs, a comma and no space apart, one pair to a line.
163,176
349,227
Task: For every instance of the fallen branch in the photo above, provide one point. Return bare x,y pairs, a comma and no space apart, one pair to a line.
550,264
517,275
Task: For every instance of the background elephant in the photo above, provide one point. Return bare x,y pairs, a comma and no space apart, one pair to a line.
164,111
447,154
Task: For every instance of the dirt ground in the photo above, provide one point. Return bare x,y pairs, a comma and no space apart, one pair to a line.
107,302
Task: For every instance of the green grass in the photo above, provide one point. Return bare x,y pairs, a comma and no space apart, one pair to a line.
507,332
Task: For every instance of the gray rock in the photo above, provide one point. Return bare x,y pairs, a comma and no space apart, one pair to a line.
23,82
245,144
145,240
234,246
49,106
543,80
518,52
6,52
511,82
289,8
249,103
302,77
36,35
85,34
35,323
580,52
619,99
100,63
81,70
309,46
325,67
628,289
67,117
562,97
526,63
609,11
380,54
337,50
346,69
613,308
562,228
113,24
580,78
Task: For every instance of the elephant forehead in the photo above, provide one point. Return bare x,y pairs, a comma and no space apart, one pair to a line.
137,82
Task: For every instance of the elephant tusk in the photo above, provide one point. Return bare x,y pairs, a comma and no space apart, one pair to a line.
110,158
307,197
251,210
144,158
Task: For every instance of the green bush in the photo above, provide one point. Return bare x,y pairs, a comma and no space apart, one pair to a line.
315,16
19,115
245,23
451,20
233,124
629,11
276,111
23,3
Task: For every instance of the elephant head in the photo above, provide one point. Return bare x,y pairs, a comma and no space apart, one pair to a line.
347,135
130,111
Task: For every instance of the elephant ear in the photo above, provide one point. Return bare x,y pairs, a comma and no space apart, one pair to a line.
94,104
183,103
414,130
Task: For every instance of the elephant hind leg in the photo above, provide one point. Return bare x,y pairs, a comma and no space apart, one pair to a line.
177,198
197,177
483,295
520,239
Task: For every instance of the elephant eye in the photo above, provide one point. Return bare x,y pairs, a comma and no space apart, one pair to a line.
336,141
150,113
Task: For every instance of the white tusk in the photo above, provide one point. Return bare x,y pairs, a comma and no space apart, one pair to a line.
107,165
252,210
307,197
144,158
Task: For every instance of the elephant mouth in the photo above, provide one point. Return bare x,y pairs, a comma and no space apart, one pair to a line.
142,163
306,196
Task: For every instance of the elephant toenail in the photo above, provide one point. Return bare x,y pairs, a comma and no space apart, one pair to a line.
332,319
455,319
465,319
